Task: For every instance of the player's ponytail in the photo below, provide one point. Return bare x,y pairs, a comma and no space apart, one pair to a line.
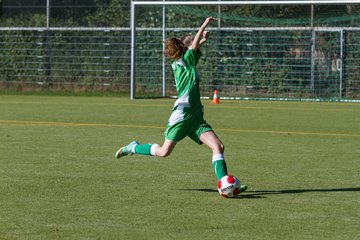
174,48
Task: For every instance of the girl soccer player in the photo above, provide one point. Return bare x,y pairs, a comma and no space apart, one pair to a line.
187,118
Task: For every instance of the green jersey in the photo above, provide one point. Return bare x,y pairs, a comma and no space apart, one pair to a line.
187,79
187,118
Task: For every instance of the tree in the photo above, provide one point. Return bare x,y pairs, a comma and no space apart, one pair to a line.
109,13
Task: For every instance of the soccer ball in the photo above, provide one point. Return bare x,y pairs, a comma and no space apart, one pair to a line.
229,186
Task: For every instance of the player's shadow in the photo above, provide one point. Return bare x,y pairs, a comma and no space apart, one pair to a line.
264,193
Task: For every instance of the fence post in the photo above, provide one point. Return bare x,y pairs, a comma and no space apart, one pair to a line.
132,60
47,13
344,62
341,63
312,84
47,45
163,51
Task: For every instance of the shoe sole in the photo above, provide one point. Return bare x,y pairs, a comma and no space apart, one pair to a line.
118,153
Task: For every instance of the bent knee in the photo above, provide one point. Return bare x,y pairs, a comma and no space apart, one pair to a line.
221,147
218,148
163,153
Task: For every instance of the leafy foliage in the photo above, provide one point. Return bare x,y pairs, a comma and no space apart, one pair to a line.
93,58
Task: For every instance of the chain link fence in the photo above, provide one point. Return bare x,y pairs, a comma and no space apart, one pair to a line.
300,52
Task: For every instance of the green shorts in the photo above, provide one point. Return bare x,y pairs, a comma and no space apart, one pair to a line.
184,123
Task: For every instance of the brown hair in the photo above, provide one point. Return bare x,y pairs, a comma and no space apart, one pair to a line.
174,48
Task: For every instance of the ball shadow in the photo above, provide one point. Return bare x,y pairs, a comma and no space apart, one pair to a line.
263,193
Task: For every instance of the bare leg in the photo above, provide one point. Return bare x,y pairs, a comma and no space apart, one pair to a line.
210,139
166,149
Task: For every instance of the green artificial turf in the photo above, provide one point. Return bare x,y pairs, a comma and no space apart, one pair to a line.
59,178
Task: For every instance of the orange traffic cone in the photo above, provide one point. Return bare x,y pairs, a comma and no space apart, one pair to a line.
216,99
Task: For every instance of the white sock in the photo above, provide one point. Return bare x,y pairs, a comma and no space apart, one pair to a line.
153,149
217,157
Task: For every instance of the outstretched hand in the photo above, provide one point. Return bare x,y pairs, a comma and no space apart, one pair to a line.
198,42
209,20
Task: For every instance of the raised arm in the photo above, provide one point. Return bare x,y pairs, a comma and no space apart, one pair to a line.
200,39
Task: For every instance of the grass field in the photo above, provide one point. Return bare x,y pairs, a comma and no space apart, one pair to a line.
59,178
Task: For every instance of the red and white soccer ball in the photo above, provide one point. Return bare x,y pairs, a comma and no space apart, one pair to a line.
229,186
